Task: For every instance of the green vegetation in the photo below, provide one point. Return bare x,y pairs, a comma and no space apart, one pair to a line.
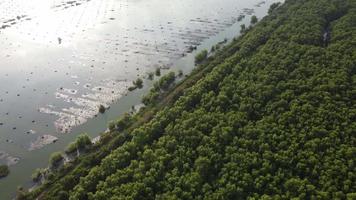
254,19
271,116
4,171
201,56
132,88
136,84
36,175
82,143
151,76
240,18
165,81
55,159
180,73
121,124
158,72
192,48
217,46
273,7
159,88
71,148
139,83
102,109
243,28
212,49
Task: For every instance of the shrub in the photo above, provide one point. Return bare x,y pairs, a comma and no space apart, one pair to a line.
132,88
200,57
102,109
254,19
212,48
112,125
123,122
36,175
151,97
83,141
273,7
71,148
180,73
63,195
164,82
158,72
55,158
4,171
243,28
161,85
151,75
138,83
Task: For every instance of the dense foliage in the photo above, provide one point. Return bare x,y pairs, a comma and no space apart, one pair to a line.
275,120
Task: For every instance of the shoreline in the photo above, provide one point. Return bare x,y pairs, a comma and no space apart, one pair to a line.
146,113
126,101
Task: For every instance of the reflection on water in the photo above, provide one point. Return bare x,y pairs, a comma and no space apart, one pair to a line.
61,59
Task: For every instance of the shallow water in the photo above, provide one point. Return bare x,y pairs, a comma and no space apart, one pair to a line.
60,60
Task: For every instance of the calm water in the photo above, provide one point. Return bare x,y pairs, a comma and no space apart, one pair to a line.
60,60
